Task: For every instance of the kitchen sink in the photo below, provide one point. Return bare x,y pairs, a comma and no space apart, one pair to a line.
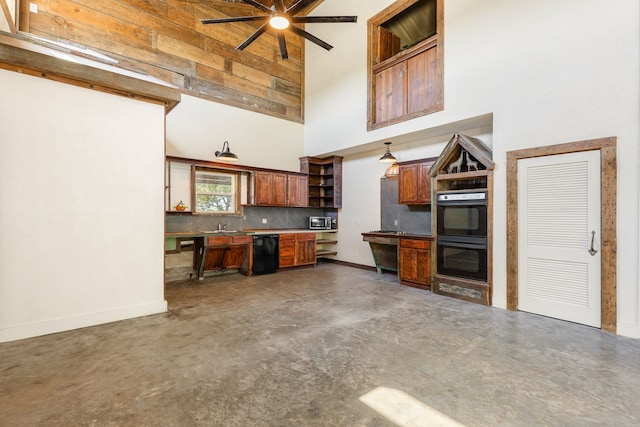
220,231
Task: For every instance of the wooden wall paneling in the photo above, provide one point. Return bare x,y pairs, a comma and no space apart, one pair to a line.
42,23
608,232
165,39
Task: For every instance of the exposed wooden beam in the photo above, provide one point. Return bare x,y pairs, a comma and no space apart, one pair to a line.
28,58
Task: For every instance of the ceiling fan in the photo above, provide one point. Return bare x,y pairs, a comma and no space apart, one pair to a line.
280,18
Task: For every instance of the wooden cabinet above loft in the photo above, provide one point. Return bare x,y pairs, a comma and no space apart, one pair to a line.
405,62
414,182
325,180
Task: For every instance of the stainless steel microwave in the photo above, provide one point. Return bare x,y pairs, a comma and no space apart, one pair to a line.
319,223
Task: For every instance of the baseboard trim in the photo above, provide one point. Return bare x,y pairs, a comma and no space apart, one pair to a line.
628,330
348,264
52,326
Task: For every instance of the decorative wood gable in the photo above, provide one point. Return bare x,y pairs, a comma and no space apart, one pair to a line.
463,154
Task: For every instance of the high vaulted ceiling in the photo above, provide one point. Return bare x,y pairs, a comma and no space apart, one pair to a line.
165,39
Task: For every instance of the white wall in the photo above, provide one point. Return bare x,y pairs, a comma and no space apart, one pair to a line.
197,128
6,23
82,223
549,71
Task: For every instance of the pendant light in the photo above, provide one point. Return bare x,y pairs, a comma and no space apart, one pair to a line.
392,171
226,153
387,157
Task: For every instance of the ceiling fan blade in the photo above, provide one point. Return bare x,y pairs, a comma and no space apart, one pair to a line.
235,19
316,19
258,5
253,36
299,6
283,46
310,37
279,6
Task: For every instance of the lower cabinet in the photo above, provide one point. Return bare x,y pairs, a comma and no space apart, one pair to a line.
226,252
297,249
415,263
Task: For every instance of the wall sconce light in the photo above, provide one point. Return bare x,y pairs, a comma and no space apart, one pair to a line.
226,153
387,157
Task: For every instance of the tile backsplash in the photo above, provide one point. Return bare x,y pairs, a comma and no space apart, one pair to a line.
396,217
252,216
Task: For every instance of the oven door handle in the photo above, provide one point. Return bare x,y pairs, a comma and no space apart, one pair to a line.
462,245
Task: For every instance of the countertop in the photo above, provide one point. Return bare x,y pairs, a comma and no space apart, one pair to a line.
398,235
176,234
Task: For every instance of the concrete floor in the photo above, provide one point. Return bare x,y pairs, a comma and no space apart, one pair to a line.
325,346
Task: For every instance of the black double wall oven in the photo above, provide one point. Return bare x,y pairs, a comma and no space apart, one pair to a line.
462,234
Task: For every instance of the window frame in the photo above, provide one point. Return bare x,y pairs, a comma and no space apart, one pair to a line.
236,194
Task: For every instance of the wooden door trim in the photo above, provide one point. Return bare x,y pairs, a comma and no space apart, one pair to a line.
608,224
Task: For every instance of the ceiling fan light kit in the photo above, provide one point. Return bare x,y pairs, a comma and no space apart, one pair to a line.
279,18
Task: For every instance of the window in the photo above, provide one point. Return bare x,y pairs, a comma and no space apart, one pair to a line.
216,192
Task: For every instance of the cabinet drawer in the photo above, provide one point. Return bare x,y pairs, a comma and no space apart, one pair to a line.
287,249
417,244
305,236
241,240
218,240
287,237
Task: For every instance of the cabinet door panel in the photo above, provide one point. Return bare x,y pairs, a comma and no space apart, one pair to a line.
407,264
408,181
235,256
298,191
262,191
423,266
424,186
390,96
422,72
279,189
214,258
306,252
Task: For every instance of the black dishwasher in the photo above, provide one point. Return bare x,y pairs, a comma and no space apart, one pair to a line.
265,254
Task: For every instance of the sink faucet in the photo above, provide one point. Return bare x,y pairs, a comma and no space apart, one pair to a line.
222,227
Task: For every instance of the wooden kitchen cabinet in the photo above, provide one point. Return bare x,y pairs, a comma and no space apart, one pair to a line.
414,182
270,188
297,190
297,249
406,69
415,262
226,252
280,189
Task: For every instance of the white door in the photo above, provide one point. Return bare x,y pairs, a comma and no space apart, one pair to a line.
558,236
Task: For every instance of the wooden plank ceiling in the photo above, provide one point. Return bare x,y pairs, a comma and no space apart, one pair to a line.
165,39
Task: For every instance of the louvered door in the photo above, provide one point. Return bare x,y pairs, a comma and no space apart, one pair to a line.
559,236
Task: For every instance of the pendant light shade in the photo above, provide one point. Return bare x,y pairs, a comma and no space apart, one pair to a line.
226,153
387,157
392,171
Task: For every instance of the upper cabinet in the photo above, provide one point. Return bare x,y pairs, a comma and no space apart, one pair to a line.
325,180
270,188
280,189
297,190
414,182
405,62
